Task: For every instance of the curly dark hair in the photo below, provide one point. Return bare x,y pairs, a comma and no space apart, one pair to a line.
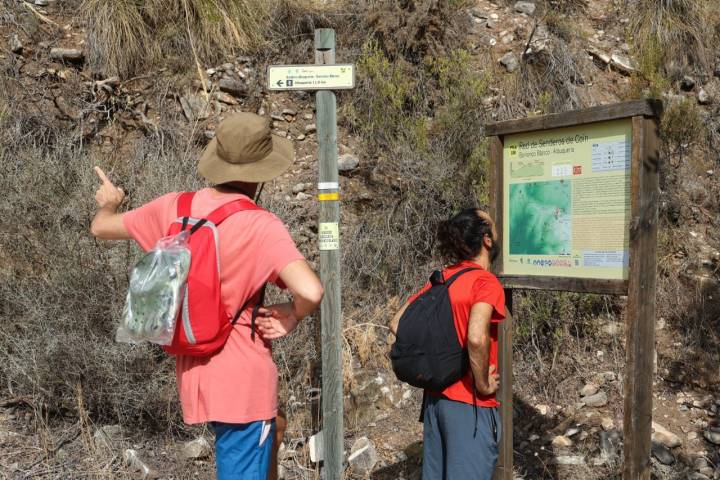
461,237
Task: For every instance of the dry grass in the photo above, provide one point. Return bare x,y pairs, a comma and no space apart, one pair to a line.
124,35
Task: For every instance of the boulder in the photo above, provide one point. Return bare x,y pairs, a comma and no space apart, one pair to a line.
528,8
198,448
665,437
510,62
348,162
597,400
589,389
67,55
363,456
233,87
195,107
662,453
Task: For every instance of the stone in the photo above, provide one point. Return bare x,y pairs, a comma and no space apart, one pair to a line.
572,431
363,456
300,187
607,423
561,441
108,437
195,107
664,436
478,12
597,400
623,63
717,70
570,460
510,62
697,476
609,444
703,97
42,3
687,83
137,465
528,8
589,389
308,116
662,453
542,409
315,447
277,118
712,435
599,54
310,128
198,448
348,162
301,137
225,98
67,54
289,112
233,87
16,45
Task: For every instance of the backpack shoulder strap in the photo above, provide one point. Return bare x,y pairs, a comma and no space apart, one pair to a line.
218,215
184,204
450,280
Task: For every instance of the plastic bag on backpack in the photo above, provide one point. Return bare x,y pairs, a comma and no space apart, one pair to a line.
155,293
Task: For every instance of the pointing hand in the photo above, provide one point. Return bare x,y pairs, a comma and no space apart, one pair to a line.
108,195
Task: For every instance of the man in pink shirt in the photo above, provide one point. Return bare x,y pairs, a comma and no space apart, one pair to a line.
235,389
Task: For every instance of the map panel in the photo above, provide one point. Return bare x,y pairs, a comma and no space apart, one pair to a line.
566,201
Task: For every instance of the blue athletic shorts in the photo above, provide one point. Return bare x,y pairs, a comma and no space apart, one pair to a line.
455,447
242,450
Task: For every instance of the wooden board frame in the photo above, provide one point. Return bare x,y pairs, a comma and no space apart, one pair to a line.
639,287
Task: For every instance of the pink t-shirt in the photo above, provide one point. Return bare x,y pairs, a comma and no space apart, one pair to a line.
238,384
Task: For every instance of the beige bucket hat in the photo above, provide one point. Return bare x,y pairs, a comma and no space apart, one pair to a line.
245,150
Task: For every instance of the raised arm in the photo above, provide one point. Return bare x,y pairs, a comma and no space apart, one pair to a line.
278,320
107,223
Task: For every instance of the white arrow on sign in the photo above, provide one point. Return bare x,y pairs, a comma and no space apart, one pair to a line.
311,77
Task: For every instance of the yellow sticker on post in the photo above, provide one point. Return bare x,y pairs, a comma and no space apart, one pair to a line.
329,235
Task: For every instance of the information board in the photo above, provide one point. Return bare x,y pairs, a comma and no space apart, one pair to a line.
566,201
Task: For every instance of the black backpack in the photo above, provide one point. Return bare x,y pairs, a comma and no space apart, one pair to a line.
426,353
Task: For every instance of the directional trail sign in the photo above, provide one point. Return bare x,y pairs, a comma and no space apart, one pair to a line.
311,77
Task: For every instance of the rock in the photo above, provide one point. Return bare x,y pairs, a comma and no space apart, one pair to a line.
597,400
599,54
478,12
134,463
665,437
310,128
572,431
277,118
225,98
510,62
712,435
42,3
108,437
570,460
198,448
542,409
363,456
607,423
687,83
67,55
703,97
348,162
662,453
315,446
697,476
289,112
589,389
195,107
609,444
528,8
623,63
300,187
561,441
301,137
302,196
233,87
16,45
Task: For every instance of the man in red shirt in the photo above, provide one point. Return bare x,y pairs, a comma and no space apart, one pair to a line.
461,424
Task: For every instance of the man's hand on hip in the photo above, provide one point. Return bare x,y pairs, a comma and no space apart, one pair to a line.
276,321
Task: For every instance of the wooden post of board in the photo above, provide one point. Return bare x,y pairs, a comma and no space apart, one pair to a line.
640,320
504,470
330,308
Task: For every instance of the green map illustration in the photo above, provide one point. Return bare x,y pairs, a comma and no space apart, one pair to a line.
540,214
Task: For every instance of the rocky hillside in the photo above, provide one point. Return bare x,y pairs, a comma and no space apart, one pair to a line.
139,87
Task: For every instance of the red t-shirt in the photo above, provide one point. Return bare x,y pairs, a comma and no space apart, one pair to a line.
479,286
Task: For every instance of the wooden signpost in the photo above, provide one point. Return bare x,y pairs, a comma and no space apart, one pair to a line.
324,77
575,199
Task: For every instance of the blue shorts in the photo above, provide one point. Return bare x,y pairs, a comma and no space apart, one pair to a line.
452,447
242,450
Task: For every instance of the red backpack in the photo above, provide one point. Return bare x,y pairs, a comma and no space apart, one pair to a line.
203,324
